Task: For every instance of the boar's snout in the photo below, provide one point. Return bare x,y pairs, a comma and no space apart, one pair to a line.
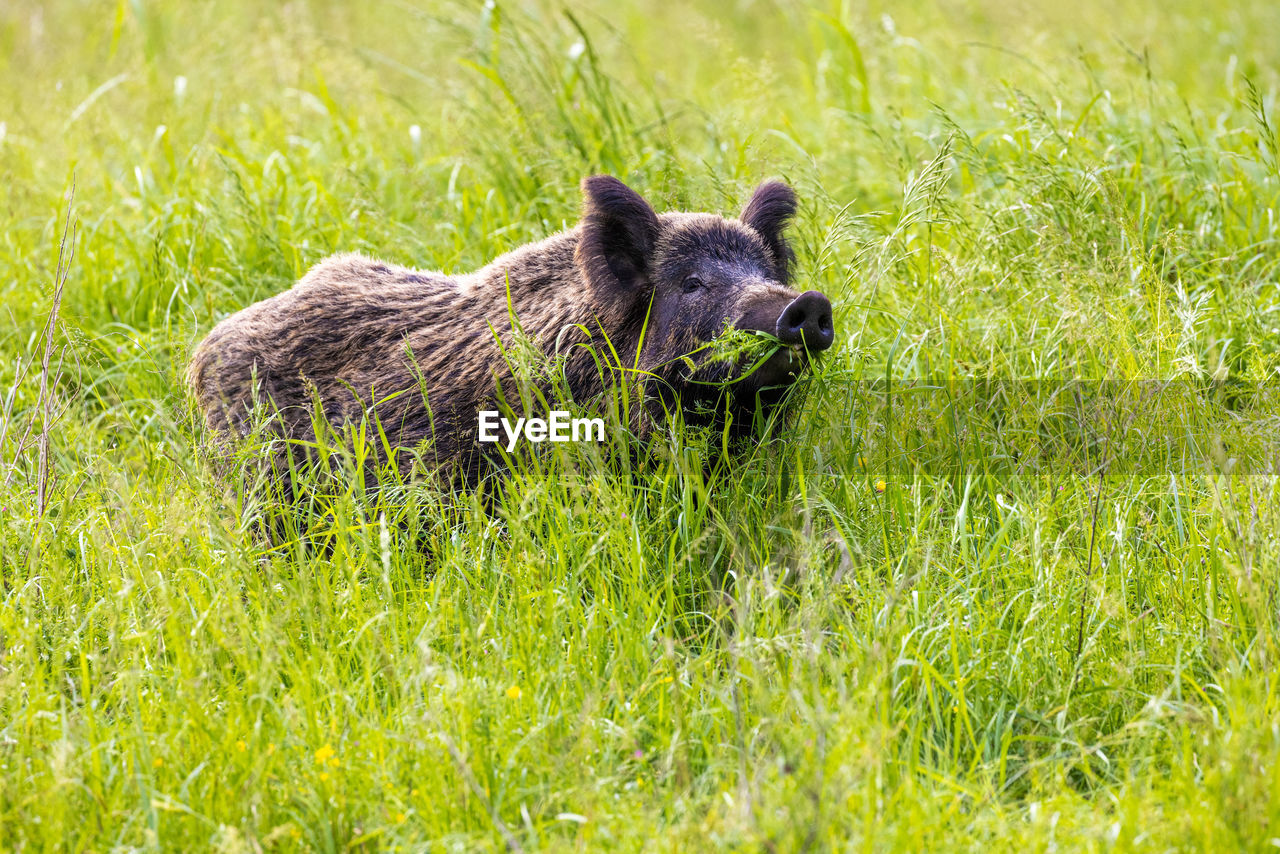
806,322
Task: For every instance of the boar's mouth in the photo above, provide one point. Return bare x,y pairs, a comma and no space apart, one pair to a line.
756,354
744,362
782,368
803,329
784,348
778,341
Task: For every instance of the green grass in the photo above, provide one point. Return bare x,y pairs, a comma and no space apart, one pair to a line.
775,655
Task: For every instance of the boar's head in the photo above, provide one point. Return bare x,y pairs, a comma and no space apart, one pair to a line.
687,283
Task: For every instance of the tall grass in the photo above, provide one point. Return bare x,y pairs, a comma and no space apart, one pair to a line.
877,629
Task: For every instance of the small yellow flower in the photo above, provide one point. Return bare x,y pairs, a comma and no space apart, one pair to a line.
514,692
271,748
880,486
400,817
157,762
241,746
639,782
324,776
324,754
413,793
334,762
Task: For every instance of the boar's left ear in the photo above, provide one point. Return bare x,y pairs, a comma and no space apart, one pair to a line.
619,229
771,207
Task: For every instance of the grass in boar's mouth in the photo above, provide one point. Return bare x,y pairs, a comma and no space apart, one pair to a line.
735,347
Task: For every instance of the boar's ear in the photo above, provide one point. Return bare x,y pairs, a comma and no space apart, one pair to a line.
619,229
771,207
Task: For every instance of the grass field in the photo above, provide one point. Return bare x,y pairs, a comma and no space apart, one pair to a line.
838,642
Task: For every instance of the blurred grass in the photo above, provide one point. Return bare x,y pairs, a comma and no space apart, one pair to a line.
779,655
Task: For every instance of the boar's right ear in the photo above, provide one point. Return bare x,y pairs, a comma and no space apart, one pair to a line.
619,229
771,207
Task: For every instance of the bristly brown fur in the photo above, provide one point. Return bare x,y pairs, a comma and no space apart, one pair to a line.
423,351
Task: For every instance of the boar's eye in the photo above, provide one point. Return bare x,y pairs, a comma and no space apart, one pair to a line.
691,284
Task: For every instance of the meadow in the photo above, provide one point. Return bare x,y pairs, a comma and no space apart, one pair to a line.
878,630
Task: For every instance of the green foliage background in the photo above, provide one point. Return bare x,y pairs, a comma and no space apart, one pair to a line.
781,656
